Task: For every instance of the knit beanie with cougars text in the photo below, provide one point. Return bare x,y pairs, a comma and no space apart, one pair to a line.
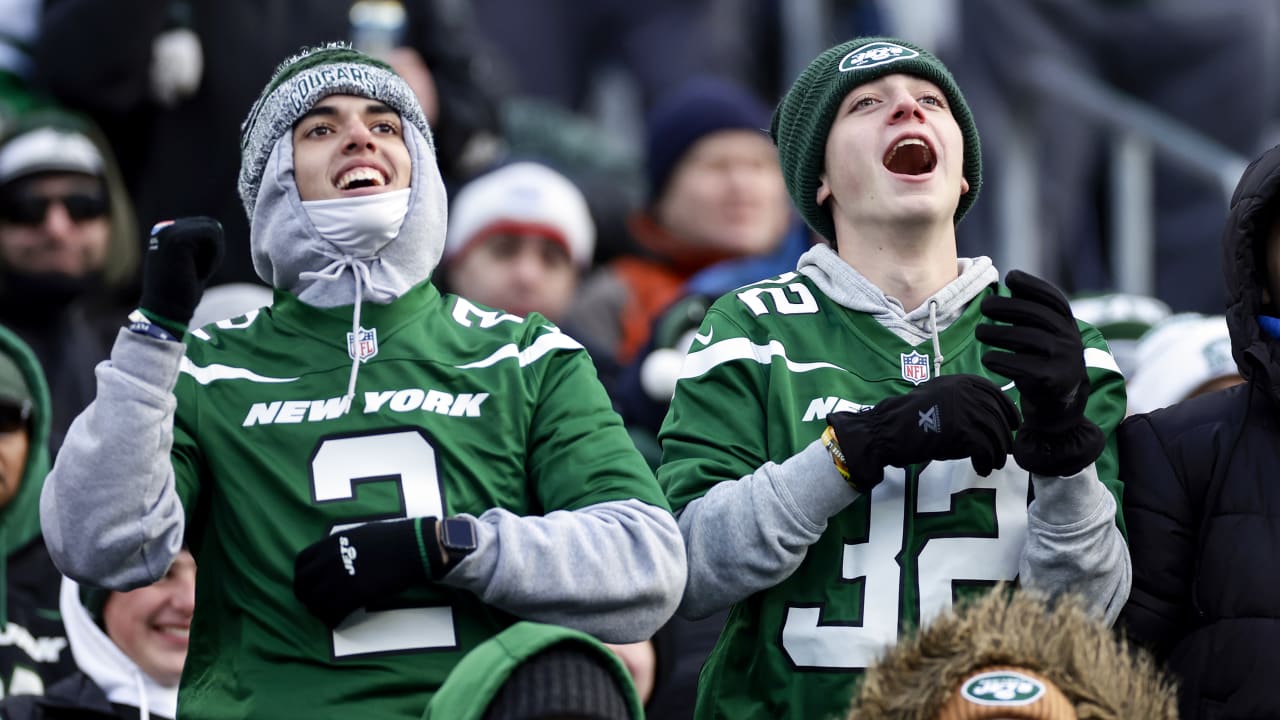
298,84
803,118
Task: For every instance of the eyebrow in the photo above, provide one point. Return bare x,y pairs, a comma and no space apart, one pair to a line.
373,108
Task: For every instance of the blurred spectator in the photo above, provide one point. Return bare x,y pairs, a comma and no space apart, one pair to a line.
1122,318
555,49
176,132
1211,66
1186,355
715,192
1201,493
1012,654
129,649
518,239
29,605
532,671
68,252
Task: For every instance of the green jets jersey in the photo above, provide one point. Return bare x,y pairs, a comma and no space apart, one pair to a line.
770,361
457,409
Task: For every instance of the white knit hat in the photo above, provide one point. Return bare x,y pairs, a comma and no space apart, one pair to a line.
1177,356
522,197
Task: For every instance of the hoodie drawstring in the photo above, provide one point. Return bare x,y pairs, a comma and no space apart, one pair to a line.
937,344
359,268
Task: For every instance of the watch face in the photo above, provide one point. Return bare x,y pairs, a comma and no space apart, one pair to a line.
458,534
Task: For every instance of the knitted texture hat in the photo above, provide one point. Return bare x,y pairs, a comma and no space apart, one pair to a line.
692,111
803,118
298,84
562,681
522,197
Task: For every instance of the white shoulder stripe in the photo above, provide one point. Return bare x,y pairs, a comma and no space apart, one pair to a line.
1097,358
698,363
541,346
206,375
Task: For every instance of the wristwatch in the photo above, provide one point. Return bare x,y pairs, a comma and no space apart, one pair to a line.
458,540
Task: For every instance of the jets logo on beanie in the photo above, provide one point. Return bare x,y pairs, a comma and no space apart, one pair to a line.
298,84
804,117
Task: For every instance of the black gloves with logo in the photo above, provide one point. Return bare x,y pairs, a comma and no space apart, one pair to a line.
353,567
1046,363
181,256
947,418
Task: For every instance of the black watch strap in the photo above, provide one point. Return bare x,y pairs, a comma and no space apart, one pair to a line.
457,541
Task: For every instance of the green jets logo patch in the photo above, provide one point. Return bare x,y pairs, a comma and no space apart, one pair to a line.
876,53
1002,687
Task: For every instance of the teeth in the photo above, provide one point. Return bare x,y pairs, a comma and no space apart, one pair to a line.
905,143
176,630
358,174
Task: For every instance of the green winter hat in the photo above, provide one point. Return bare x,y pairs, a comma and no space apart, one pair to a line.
298,84
13,384
803,118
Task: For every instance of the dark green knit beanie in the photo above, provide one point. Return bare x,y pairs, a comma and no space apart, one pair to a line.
803,118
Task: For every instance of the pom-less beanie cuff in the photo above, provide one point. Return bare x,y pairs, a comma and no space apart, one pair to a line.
298,84
803,119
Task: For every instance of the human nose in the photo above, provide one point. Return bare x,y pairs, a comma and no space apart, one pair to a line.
359,137
57,221
906,107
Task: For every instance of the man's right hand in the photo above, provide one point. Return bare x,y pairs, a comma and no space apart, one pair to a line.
181,256
950,417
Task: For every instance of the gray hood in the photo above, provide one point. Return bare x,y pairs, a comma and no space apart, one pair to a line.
285,244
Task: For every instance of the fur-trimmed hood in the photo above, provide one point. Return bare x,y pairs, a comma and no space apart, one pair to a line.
1099,673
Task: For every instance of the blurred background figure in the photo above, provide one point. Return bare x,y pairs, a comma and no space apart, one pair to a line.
714,192
68,252
1212,69
534,671
34,654
129,648
1183,356
170,82
518,240
1122,318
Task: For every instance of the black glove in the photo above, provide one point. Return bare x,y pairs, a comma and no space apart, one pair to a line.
1046,362
353,567
181,256
949,417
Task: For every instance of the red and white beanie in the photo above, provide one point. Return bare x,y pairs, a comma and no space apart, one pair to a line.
519,198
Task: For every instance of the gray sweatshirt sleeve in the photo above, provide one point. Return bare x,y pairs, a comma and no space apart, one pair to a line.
749,534
109,509
1074,545
614,569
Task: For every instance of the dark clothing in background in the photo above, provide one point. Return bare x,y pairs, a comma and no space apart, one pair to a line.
1202,496
73,698
184,160
1213,67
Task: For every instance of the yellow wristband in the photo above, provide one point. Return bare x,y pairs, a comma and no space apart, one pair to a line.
837,455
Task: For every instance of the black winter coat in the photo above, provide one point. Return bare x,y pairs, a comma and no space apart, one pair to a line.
73,698
1202,499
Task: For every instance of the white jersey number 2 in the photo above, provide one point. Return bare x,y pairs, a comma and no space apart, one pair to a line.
407,458
809,642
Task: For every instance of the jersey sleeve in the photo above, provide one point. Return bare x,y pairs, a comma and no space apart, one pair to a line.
1106,408
579,453
714,429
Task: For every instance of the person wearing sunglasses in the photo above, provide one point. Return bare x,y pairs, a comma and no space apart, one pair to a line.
37,656
68,252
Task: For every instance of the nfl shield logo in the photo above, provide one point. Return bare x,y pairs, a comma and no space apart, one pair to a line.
362,345
915,367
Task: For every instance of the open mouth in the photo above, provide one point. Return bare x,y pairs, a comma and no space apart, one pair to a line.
361,177
910,156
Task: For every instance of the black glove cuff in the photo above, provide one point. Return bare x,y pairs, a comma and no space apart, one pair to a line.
1058,454
855,433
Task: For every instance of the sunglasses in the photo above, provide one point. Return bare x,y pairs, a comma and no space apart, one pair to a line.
32,209
14,416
